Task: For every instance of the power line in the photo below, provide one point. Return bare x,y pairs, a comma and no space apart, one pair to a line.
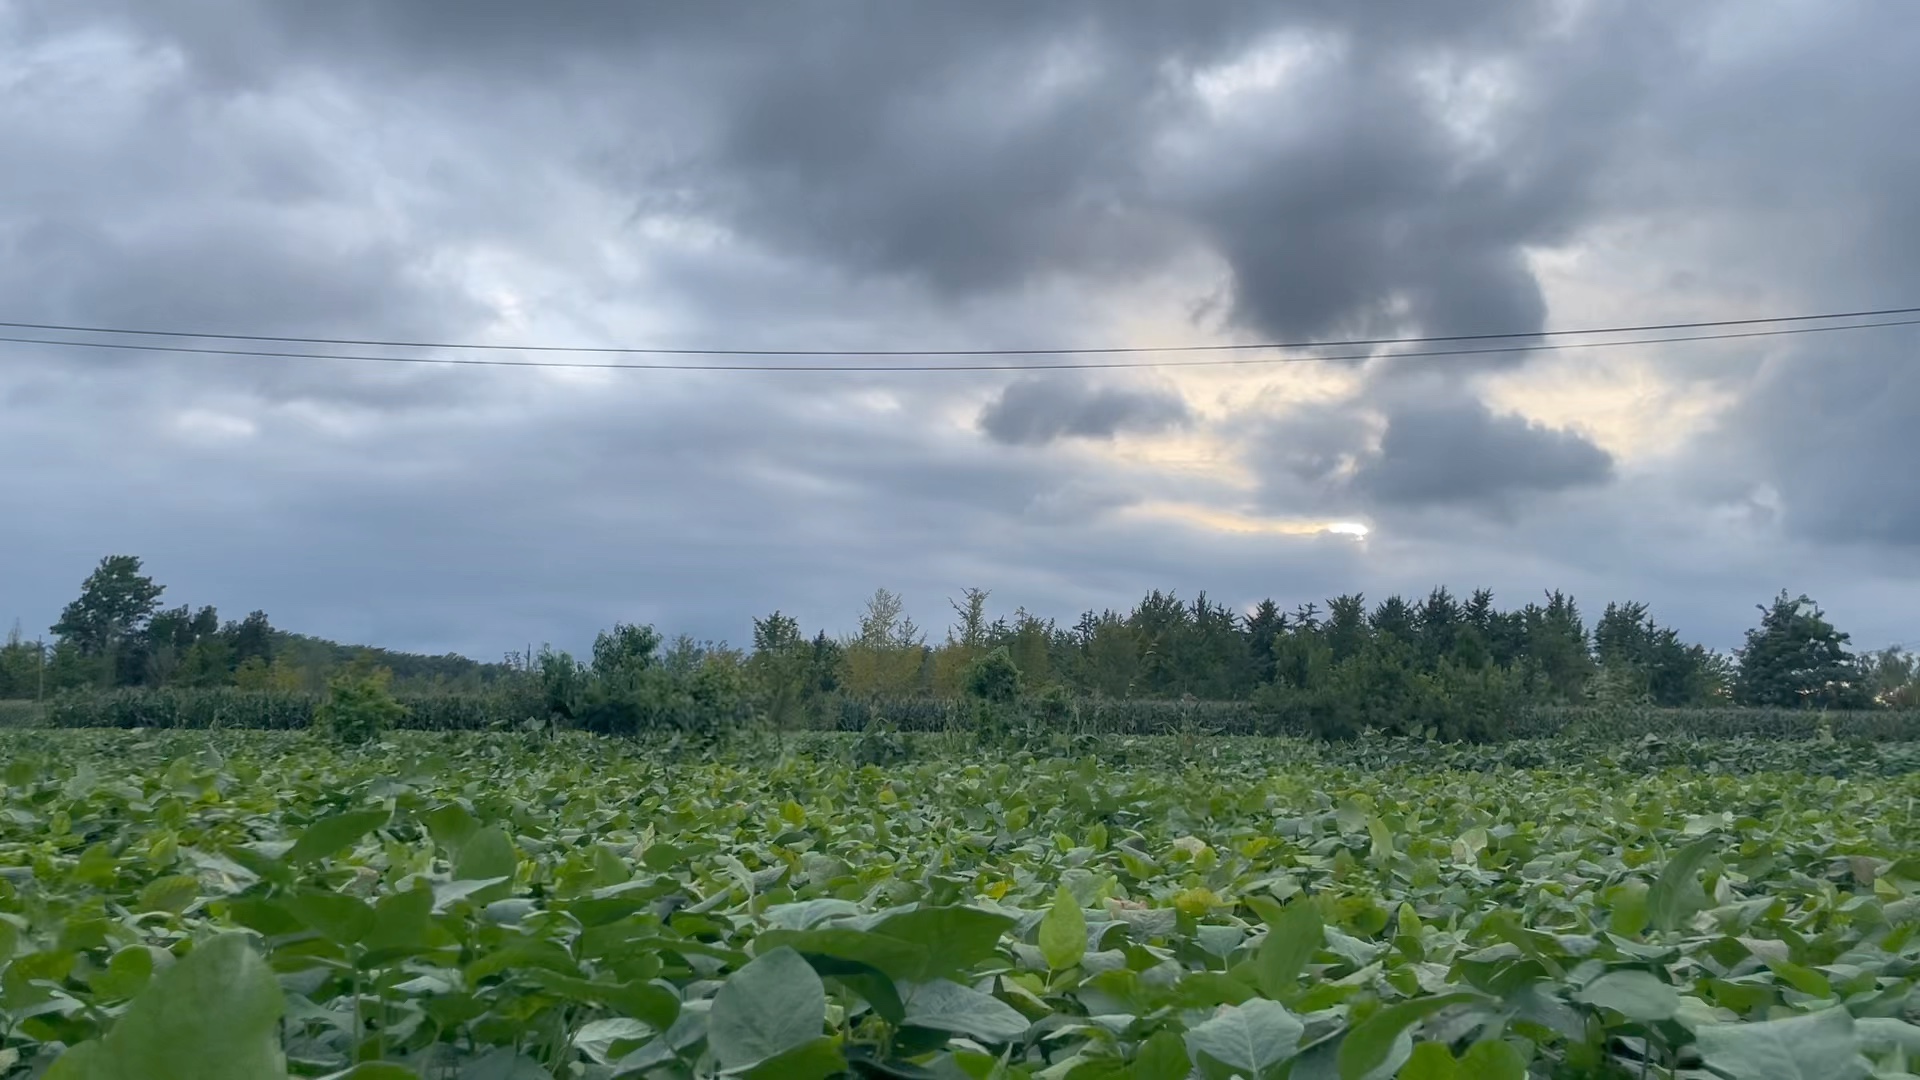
1087,351
1236,361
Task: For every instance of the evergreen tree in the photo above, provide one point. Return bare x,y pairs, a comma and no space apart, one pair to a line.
1796,657
1265,624
1393,621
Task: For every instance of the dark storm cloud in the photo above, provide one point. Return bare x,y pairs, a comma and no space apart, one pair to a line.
1828,221
973,147
1437,448
1462,453
1828,430
1037,410
956,175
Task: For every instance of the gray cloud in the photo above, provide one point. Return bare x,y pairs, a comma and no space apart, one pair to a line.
1426,447
1462,453
970,175
1825,431
1036,410
1316,445
976,147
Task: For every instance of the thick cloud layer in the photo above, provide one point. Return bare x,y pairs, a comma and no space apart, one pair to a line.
1036,410
1452,453
866,175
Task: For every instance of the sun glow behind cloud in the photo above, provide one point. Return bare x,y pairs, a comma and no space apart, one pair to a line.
1227,521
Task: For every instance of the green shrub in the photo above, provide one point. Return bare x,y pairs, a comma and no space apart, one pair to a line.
880,745
1467,710
359,707
995,678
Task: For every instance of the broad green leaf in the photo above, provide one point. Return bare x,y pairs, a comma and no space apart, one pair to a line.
609,868
597,1038
873,986
1493,1059
815,1060
329,835
87,1061
1252,1037
1676,894
808,914
774,1004
96,866
1430,1061
448,893
401,923
339,918
1627,913
1468,845
375,1070
451,825
503,1064
1369,1044
647,1002
1885,1033
897,958
1800,977
215,1015
1063,932
956,938
1637,995
126,974
488,853
525,954
972,1064
1321,1060
1207,989
265,915
1381,847
174,894
962,1010
1818,1046
1162,1057
1288,948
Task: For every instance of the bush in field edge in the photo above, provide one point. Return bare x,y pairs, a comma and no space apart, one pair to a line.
1299,714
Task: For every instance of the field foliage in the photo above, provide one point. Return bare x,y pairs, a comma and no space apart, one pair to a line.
254,904
1043,715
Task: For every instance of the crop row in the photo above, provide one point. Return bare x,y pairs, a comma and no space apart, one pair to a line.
255,905
270,710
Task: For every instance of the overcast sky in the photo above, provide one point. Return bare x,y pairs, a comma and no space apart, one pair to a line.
987,174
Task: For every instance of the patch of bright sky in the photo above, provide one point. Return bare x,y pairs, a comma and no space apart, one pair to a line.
1467,97
209,427
1214,519
118,75
1280,59
1178,307
1637,403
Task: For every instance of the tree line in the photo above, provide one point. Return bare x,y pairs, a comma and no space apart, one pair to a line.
116,635
1443,662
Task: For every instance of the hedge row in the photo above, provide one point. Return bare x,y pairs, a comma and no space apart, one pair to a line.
229,708
1094,715
264,709
1533,721
20,714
